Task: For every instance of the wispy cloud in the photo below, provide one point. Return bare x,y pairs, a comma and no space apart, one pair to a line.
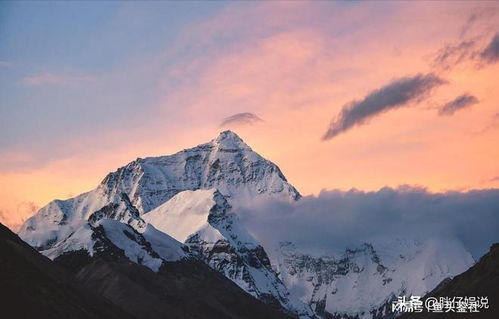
394,95
453,54
245,118
494,124
472,18
55,79
460,102
491,53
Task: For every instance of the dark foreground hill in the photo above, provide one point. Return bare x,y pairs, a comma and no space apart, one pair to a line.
183,289
110,286
32,286
480,280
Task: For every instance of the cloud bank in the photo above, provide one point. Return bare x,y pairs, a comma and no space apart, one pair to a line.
337,219
241,119
394,95
460,102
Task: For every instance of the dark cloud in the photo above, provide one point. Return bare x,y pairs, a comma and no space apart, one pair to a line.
494,179
453,54
491,53
335,220
241,119
460,102
394,95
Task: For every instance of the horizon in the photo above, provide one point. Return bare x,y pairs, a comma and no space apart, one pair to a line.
88,88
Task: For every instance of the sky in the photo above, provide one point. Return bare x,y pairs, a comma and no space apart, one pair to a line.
339,95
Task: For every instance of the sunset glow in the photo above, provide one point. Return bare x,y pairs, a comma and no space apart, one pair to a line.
144,81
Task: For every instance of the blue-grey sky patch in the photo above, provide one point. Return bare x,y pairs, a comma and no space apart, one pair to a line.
459,103
396,94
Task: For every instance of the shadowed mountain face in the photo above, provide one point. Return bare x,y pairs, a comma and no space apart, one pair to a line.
32,286
481,280
111,286
184,289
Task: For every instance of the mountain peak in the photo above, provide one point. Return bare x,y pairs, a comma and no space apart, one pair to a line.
230,140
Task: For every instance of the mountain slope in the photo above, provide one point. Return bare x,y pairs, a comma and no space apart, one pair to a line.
32,286
363,280
210,227
184,289
481,280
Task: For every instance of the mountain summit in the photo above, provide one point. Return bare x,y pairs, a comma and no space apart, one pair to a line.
230,141
225,163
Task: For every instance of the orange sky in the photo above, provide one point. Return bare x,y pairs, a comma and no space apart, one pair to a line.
295,65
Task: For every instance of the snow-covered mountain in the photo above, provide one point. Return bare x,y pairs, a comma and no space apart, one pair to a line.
225,163
362,281
210,227
164,209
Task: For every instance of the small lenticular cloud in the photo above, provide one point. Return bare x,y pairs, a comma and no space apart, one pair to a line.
241,119
460,102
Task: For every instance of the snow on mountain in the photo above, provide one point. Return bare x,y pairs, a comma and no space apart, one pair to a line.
207,223
184,214
225,163
362,281
150,248
59,219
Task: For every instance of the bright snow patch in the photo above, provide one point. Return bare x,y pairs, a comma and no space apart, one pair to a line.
182,215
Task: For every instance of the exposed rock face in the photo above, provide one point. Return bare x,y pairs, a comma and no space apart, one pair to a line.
214,235
363,281
226,163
